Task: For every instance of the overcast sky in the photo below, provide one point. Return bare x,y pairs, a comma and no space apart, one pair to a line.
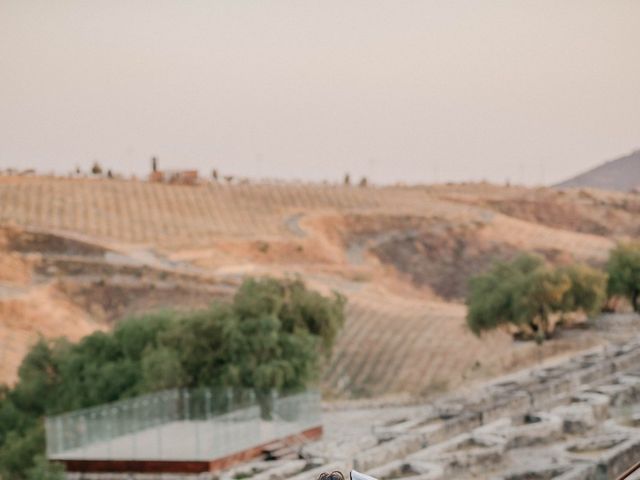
416,91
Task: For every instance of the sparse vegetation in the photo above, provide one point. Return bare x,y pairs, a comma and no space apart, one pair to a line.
526,293
270,337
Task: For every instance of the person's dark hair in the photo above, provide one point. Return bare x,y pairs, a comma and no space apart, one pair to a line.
335,475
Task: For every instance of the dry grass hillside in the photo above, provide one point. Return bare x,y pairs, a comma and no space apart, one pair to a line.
79,254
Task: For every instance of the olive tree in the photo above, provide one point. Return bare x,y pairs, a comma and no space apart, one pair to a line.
525,292
281,329
624,272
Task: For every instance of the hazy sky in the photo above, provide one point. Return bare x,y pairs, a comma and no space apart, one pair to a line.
417,91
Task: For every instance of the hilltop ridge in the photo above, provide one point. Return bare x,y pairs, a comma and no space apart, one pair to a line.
621,174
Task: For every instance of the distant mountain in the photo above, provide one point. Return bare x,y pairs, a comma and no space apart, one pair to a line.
622,174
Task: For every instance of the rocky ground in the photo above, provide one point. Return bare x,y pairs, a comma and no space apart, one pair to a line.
575,417
569,418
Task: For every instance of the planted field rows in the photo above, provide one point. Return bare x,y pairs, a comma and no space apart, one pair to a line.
408,341
404,346
168,215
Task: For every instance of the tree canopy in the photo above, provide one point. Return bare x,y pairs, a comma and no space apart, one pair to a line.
526,291
624,272
271,336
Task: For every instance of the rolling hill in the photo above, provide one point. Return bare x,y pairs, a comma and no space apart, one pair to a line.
621,174
78,254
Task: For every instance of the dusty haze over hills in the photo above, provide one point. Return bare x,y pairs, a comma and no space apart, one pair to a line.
414,91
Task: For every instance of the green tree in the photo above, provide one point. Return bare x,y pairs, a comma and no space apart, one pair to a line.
93,371
20,450
298,308
541,294
281,327
588,289
12,419
494,296
624,272
136,334
161,370
526,292
268,358
44,470
200,342
38,377
270,337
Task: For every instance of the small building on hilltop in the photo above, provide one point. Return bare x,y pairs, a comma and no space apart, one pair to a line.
174,177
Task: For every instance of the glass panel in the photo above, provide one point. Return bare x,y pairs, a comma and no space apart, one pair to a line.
198,424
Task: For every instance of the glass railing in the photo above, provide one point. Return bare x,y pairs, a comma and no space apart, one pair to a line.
200,424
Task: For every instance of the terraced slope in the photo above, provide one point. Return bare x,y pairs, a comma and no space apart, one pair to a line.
97,249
